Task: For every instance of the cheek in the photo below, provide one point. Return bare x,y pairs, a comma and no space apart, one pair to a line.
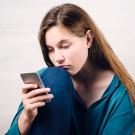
79,53
70,54
79,57
51,57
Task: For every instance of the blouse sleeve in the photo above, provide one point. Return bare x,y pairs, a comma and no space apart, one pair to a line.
14,129
122,121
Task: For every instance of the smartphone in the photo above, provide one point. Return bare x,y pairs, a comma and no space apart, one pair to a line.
32,78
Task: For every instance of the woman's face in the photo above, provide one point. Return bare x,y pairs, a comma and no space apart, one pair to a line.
67,50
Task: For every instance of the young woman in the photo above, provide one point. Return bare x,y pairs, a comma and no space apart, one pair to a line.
93,93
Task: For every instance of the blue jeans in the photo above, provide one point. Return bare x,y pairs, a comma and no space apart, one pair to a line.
55,117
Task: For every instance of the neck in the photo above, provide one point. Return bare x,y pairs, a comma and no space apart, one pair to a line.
88,75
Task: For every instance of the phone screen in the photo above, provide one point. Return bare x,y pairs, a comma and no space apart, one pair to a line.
32,78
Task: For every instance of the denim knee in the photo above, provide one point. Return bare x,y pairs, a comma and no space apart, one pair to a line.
57,78
55,116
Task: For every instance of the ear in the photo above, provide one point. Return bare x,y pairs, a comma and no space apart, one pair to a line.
89,38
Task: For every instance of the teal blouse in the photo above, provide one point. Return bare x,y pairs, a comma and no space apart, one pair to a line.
112,114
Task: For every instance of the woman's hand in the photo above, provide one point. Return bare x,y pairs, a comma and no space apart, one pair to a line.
33,98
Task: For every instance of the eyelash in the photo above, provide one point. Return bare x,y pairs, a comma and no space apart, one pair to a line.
64,46
49,50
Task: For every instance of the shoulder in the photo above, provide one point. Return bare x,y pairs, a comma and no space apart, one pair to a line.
122,94
122,108
121,100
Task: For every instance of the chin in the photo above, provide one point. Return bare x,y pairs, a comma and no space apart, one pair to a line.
72,73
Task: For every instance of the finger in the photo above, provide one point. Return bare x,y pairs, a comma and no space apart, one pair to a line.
27,87
37,105
36,92
44,98
48,100
31,107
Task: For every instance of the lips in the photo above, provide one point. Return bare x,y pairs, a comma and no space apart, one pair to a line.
65,66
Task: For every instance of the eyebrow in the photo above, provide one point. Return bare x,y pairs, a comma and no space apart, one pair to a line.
60,42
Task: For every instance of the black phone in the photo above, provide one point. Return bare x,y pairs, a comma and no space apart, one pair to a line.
32,78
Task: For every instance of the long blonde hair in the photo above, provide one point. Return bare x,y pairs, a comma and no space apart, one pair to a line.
77,21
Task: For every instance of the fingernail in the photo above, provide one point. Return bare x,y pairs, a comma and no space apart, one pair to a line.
49,89
35,85
48,100
52,96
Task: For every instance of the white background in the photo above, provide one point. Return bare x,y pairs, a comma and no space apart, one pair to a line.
20,51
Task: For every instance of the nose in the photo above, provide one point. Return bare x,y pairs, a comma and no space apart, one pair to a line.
59,57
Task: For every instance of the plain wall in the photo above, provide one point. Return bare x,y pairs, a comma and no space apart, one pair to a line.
20,51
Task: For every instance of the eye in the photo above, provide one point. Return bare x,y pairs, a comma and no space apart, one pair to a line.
66,45
49,49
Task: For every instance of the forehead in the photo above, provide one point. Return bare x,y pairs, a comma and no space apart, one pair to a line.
56,34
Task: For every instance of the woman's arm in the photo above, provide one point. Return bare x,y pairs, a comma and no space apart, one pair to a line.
20,121
14,129
32,98
24,123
